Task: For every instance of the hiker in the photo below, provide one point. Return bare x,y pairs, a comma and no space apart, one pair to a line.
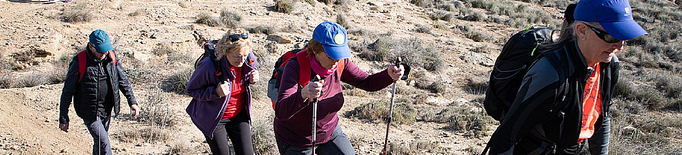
326,53
94,78
221,98
533,125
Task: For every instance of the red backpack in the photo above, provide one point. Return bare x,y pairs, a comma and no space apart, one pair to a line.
82,62
304,72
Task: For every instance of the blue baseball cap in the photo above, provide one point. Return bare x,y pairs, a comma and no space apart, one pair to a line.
614,15
333,39
101,41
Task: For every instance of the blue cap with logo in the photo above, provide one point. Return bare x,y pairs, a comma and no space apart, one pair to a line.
100,40
333,39
614,15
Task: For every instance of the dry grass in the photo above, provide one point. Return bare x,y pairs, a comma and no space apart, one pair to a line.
284,6
178,82
265,29
78,13
415,147
156,110
152,135
207,19
230,19
263,136
403,113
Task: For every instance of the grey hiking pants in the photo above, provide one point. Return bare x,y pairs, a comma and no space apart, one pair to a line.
100,136
338,145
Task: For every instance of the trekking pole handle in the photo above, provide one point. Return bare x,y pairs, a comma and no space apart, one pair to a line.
398,61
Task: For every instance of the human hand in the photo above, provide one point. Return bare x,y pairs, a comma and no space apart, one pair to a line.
312,90
254,77
222,87
136,110
64,127
396,72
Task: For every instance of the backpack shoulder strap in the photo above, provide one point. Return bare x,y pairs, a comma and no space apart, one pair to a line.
340,67
304,70
82,61
113,58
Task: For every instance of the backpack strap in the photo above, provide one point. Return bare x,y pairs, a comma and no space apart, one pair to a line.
81,64
304,69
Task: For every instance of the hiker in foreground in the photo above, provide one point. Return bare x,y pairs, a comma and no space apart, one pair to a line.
541,120
325,55
94,78
221,97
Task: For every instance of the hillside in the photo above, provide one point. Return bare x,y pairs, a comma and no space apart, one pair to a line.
452,45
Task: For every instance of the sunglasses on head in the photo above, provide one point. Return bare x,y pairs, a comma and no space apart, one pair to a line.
603,35
236,37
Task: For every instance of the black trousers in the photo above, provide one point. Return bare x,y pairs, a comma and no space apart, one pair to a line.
238,130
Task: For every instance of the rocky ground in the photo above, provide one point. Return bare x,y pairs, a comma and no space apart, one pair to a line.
159,39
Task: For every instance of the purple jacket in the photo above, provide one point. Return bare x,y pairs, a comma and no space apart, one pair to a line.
206,108
293,116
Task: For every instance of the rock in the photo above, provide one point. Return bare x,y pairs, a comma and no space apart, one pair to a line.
375,3
67,151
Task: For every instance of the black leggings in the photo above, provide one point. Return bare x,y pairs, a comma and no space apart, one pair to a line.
238,130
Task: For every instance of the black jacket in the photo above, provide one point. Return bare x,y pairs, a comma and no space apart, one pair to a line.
529,119
84,93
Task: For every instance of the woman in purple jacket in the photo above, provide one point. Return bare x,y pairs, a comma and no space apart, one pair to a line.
293,111
221,99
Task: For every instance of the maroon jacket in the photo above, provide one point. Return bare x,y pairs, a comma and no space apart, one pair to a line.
293,116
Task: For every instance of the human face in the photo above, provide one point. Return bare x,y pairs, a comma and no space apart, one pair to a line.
593,47
237,58
98,55
325,60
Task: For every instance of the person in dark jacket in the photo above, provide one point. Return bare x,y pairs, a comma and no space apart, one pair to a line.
95,93
293,111
541,120
221,102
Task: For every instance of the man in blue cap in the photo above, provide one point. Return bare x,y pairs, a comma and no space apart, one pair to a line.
94,78
325,55
564,100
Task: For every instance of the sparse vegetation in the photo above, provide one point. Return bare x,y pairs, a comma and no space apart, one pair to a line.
78,13
342,20
156,110
146,134
229,18
263,136
207,19
178,81
284,6
403,113
414,147
423,29
138,12
265,29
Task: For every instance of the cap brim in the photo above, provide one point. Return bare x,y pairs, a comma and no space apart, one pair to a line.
337,52
104,47
624,30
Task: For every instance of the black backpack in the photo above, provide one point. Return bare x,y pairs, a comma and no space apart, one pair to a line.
518,54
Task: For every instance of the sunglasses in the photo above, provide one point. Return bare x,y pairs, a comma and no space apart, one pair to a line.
603,35
236,37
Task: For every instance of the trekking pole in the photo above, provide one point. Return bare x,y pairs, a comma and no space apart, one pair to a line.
315,79
390,113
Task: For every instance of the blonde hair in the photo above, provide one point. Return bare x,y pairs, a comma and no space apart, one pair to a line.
226,45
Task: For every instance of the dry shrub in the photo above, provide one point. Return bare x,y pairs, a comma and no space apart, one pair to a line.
230,19
156,110
163,49
342,20
138,12
462,119
403,113
78,13
265,29
178,81
415,147
284,6
207,19
476,85
263,136
423,29
152,135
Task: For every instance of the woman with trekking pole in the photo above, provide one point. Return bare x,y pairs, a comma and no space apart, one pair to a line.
326,55
221,94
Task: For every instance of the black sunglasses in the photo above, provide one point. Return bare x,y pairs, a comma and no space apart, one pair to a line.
236,37
603,35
